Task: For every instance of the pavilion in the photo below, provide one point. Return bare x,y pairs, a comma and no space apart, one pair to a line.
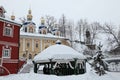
60,60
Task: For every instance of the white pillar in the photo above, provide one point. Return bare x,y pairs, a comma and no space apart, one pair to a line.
41,45
33,45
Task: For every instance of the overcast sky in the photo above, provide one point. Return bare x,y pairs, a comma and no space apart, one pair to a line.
92,10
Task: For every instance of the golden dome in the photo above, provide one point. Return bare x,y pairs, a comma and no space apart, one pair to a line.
12,17
29,16
42,20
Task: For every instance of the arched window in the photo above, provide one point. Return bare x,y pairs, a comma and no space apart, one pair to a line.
36,45
40,31
44,31
31,30
28,44
25,29
57,33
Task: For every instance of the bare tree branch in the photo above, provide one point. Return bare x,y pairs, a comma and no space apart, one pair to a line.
110,30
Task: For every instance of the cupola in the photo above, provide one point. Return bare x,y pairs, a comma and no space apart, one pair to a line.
29,16
12,17
42,21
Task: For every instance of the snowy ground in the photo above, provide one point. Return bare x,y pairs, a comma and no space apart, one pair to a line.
90,75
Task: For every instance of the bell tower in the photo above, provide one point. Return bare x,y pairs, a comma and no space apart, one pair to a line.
42,27
29,26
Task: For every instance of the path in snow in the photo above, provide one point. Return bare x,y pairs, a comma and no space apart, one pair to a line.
89,75
27,67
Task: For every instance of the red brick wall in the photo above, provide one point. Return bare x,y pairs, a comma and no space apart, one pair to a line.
10,66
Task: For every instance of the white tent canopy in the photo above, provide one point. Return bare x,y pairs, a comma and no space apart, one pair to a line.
58,52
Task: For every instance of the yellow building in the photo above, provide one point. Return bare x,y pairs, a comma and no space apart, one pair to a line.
32,42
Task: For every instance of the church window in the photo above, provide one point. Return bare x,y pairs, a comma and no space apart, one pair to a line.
28,45
25,29
44,31
40,32
36,45
31,30
57,33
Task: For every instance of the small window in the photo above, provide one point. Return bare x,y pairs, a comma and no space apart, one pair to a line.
8,31
40,32
25,29
31,30
44,31
6,53
36,45
28,44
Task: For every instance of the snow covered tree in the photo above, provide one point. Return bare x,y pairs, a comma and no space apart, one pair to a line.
94,27
62,25
81,27
110,29
69,31
98,64
50,22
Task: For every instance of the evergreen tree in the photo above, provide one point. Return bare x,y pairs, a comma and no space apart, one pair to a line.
98,63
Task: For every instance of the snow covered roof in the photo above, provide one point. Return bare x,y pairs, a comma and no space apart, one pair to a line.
9,20
39,35
29,22
42,26
58,52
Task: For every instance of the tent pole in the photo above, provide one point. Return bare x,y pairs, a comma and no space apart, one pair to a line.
51,72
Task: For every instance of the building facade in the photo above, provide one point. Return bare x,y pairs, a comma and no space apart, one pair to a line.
33,40
9,44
